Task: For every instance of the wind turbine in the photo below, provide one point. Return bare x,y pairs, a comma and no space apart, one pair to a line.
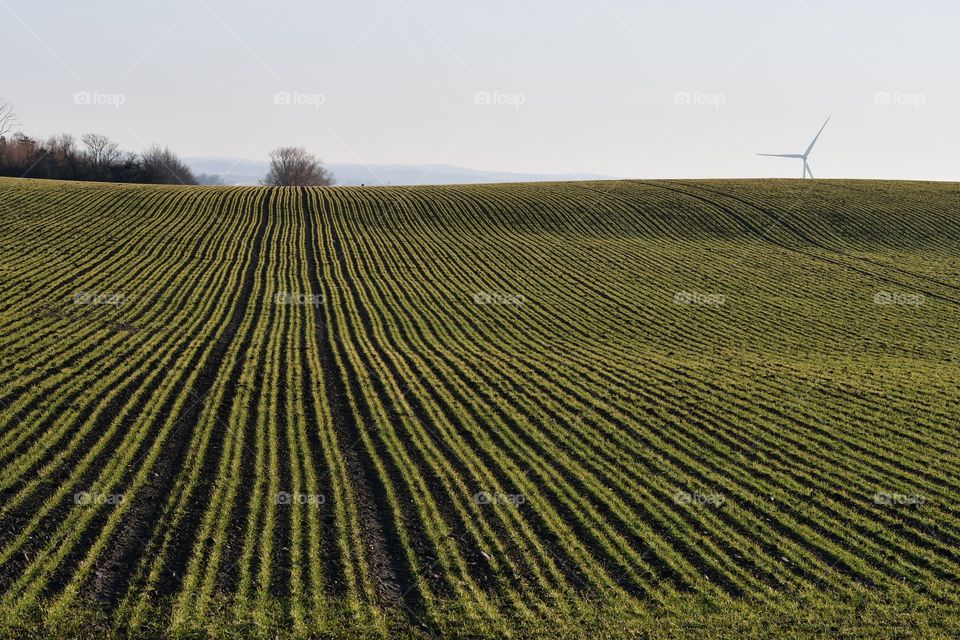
802,156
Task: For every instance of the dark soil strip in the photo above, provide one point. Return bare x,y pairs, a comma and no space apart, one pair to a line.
391,573
115,569
68,565
229,576
36,402
332,559
282,559
478,562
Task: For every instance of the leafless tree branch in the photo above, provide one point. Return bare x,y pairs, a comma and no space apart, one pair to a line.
293,166
8,118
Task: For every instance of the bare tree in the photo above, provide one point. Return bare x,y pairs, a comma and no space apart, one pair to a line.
293,166
162,166
102,151
22,151
8,118
61,147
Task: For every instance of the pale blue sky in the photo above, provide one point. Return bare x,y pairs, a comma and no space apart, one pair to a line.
574,86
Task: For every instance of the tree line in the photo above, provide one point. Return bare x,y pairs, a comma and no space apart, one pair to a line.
97,157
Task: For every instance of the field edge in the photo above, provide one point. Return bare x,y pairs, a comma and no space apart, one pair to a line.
900,613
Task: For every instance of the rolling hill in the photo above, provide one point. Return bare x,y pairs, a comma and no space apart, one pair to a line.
589,409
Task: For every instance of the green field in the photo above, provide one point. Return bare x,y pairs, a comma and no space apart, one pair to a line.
664,409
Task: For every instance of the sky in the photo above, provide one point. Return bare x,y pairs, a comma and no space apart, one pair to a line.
627,88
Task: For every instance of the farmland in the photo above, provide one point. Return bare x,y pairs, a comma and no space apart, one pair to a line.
597,409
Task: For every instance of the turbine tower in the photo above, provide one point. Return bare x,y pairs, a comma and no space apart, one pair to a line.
802,156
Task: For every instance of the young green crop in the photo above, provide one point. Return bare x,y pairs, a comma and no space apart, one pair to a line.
599,409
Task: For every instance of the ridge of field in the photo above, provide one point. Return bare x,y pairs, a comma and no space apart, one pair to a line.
610,409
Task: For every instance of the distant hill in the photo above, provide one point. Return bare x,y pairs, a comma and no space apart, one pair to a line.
249,172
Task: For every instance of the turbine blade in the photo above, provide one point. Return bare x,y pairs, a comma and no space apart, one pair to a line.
781,155
807,152
807,167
